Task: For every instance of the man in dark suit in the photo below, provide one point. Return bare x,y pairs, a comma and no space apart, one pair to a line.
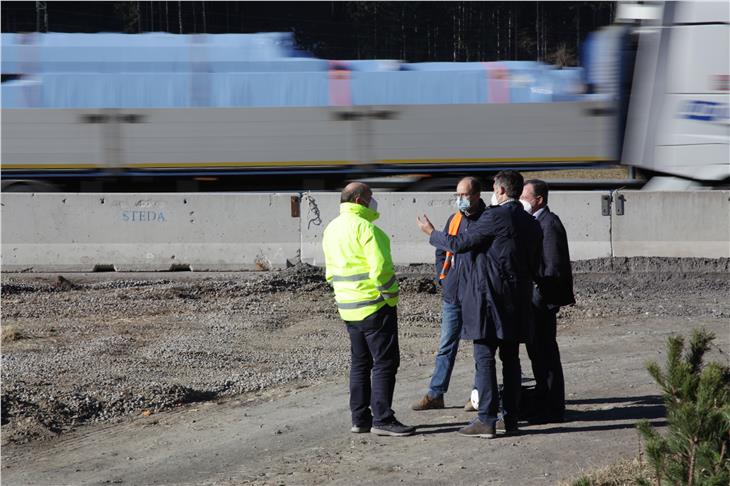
504,246
554,289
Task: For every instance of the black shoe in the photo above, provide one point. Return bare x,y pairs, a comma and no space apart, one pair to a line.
392,429
507,427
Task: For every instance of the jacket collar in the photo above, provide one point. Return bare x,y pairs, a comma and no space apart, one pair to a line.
478,211
359,210
545,210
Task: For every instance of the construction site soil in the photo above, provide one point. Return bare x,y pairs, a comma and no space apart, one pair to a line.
87,351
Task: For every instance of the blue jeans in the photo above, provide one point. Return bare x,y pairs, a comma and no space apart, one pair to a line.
448,346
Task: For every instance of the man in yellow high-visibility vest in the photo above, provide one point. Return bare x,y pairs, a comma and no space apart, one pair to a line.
360,269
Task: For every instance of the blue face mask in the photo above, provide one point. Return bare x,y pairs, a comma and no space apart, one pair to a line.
463,204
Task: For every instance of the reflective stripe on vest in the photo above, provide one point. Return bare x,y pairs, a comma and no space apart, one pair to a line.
357,305
453,231
364,276
384,288
350,278
387,284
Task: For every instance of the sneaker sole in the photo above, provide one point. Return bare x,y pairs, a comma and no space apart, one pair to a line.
389,433
360,430
483,436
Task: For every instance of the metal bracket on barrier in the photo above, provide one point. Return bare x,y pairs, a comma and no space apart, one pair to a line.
295,200
620,205
606,205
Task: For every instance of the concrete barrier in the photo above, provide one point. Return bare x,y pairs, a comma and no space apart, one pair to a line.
671,224
228,231
588,231
147,232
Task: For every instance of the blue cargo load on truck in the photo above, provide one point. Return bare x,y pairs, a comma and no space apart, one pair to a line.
160,70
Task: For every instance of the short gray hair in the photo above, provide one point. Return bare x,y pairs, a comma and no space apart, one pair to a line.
512,182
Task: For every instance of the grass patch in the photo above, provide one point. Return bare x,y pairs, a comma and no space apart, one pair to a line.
621,473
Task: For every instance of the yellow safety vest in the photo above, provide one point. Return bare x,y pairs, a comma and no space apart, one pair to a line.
359,265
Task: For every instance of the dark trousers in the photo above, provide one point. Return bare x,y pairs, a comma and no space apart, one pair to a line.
545,357
485,351
374,351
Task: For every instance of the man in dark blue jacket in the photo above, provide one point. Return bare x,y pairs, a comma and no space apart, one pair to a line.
451,272
554,289
504,246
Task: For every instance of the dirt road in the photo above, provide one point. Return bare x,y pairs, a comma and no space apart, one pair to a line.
264,361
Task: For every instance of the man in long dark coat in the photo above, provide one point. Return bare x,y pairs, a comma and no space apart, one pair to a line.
505,246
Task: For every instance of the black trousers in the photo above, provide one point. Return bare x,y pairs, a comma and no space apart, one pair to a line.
545,357
375,357
485,351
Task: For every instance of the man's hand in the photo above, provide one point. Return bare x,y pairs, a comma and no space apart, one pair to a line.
424,224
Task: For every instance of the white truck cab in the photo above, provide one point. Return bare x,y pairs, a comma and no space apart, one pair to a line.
678,119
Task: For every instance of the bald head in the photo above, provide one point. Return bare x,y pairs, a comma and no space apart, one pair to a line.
356,192
468,189
469,185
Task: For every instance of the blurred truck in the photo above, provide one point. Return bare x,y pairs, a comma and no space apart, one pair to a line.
678,120
163,112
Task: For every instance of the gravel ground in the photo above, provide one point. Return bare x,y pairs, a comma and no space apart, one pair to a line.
80,349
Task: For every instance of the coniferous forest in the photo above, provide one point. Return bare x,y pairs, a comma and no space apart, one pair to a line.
409,31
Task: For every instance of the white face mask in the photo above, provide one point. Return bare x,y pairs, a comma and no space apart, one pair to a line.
462,204
494,201
527,206
373,204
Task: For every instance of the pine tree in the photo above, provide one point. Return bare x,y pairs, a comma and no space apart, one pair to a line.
696,449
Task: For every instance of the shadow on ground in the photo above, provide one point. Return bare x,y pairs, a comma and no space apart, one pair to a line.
625,414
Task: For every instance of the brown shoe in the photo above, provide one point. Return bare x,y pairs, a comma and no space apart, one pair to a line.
469,407
428,403
479,429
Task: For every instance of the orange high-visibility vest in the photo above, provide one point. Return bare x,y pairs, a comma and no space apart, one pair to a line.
453,231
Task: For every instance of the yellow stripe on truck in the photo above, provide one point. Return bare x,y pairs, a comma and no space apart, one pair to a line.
173,165
515,160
